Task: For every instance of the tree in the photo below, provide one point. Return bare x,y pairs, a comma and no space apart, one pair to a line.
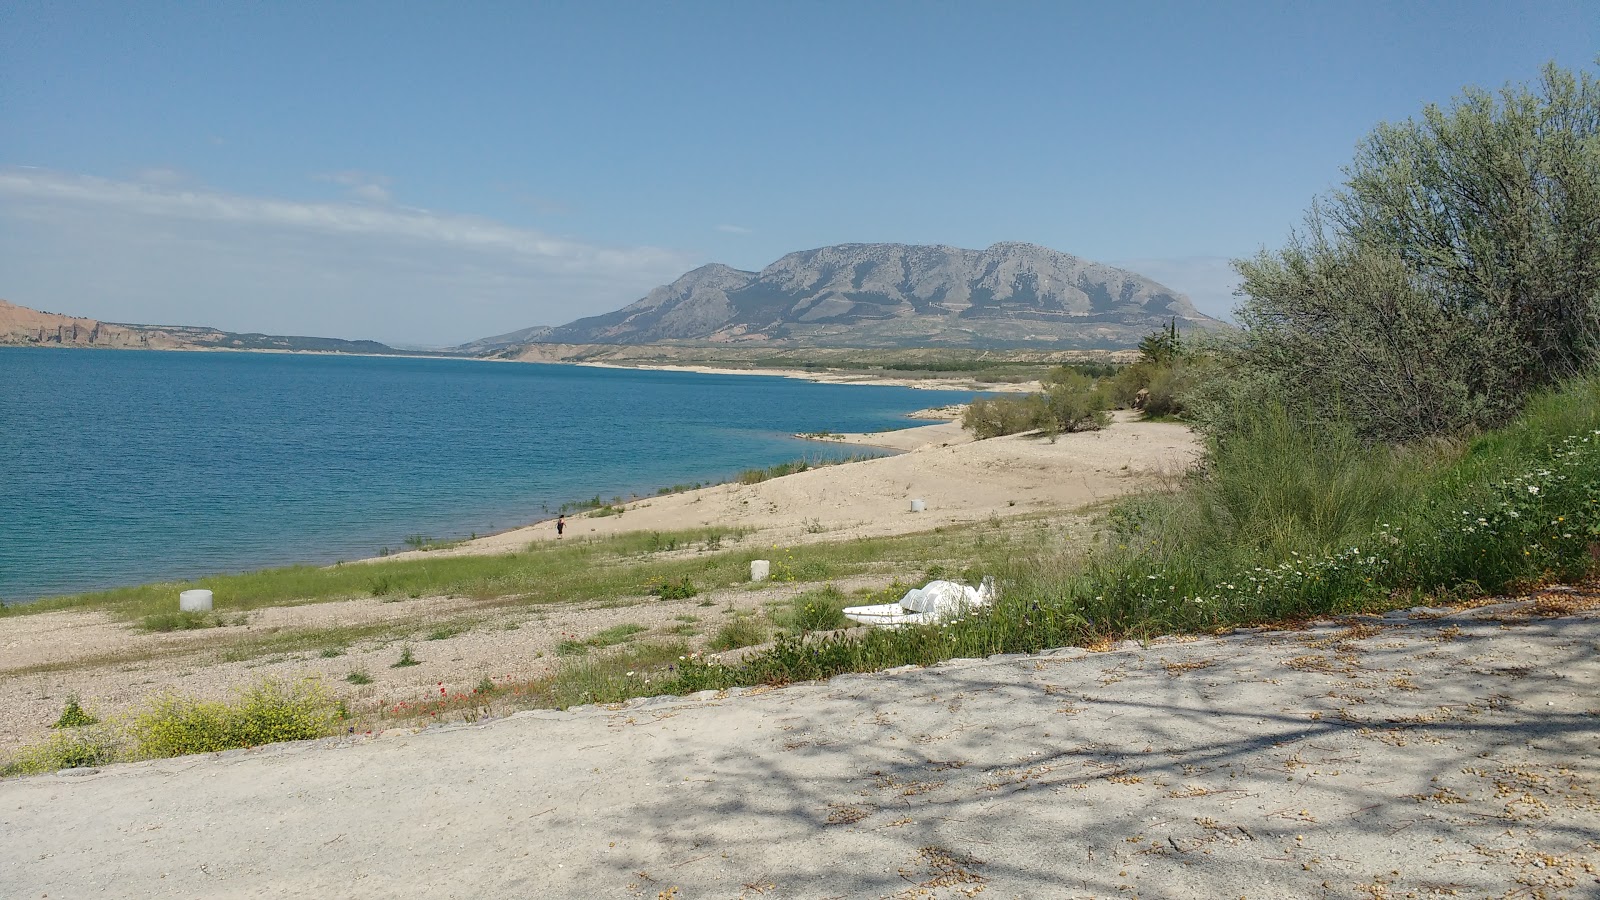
1457,270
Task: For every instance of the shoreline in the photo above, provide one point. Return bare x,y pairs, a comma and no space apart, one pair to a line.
923,384
1003,484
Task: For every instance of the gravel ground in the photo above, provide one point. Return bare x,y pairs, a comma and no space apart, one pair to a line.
1451,753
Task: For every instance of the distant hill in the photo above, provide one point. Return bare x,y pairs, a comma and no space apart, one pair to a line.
20,326
890,295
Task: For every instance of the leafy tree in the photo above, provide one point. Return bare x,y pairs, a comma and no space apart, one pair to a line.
1457,270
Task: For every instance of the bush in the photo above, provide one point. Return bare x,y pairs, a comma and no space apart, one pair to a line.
78,748
1074,402
1071,401
74,716
682,589
1453,274
819,610
270,712
741,631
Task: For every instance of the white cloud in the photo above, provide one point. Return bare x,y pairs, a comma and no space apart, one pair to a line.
733,229
157,251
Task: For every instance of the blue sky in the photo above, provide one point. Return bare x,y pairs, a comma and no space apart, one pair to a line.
431,173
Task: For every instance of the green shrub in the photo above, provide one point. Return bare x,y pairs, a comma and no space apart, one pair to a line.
80,747
406,658
989,417
358,676
1451,276
1074,402
1071,401
740,631
74,715
682,589
818,610
272,711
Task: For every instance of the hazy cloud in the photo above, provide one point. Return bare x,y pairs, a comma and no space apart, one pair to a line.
1208,280
161,175
160,251
361,185
733,229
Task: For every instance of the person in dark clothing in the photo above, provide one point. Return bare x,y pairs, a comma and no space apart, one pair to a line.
561,525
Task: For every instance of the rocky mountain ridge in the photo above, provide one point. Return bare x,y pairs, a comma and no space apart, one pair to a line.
891,295
21,326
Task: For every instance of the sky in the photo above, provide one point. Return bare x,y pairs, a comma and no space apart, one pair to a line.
430,173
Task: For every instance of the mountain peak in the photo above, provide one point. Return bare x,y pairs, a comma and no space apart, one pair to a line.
1011,294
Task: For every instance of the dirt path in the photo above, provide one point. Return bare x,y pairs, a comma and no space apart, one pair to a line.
1453,753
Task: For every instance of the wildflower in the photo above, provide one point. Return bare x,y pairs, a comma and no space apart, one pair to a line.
1533,489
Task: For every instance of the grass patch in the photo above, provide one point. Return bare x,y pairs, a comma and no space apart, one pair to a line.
682,589
424,543
575,570
359,677
743,630
818,610
187,620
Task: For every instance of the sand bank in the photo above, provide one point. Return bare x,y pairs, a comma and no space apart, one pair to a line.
958,480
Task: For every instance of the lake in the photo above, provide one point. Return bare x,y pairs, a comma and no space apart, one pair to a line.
124,467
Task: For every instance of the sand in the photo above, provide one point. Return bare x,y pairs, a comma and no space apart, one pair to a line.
1397,757
958,480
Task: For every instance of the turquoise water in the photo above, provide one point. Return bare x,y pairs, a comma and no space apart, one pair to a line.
123,467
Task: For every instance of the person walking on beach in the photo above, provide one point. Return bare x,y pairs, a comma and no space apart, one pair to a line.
561,525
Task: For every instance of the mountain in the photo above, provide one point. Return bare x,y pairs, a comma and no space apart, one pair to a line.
21,326
892,295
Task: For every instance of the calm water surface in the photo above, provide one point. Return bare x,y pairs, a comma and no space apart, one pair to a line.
122,467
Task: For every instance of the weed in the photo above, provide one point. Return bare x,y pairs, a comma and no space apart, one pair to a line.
185,620
359,676
74,716
267,713
331,652
406,659
742,631
71,749
682,589
819,610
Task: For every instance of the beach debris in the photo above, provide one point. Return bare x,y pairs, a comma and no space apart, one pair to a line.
760,569
918,506
194,601
936,601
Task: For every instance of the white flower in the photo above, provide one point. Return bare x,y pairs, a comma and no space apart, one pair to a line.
1533,489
